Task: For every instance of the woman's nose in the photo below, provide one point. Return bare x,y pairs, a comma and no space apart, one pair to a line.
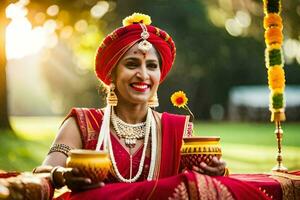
143,72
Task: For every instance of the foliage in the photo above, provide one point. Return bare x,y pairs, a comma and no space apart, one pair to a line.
209,60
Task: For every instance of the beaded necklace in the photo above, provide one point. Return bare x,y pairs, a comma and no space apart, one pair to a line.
104,138
150,123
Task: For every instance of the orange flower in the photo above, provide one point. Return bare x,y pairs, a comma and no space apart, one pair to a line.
179,99
273,35
272,19
276,78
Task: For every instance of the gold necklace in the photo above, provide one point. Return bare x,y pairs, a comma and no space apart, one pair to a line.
129,132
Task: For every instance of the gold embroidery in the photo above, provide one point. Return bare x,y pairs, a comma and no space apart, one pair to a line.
157,31
186,123
210,188
193,190
180,193
289,191
103,45
113,36
157,118
93,117
212,191
222,190
91,133
82,123
167,37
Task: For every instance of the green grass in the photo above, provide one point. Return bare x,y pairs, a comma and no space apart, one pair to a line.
25,147
247,147
252,147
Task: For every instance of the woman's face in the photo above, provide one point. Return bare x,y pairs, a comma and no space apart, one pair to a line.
137,76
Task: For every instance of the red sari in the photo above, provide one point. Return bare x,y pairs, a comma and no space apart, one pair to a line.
167,182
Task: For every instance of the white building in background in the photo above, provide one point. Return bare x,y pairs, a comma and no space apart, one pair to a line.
252,103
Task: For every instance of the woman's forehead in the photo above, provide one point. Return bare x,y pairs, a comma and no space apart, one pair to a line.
134,51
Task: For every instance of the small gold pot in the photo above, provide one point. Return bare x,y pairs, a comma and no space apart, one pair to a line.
198,149
92,164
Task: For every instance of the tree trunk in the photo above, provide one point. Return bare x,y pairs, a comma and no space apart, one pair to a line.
4,121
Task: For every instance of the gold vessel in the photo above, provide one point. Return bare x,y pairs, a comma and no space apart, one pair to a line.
92,164
199,149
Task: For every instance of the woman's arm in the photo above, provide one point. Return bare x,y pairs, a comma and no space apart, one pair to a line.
69,135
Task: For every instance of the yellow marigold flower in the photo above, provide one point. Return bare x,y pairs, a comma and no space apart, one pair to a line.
179,99
273,35
272,19
137,18
276,78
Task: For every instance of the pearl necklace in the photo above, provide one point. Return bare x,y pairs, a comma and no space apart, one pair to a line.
129,132
149,122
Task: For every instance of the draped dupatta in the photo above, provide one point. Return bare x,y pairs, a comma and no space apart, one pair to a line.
167,183
170,129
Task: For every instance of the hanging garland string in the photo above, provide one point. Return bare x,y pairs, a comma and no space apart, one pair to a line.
274,58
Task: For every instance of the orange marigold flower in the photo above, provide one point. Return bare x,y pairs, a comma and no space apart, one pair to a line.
272,19
276,78
179,99
273,35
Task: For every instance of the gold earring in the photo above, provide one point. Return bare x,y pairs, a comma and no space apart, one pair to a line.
112,98
153,101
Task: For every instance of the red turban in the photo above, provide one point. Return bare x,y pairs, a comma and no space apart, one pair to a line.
114,46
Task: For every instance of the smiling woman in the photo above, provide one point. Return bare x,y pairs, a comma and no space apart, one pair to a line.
142,144
137,76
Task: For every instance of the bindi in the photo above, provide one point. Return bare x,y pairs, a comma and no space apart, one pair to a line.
143,53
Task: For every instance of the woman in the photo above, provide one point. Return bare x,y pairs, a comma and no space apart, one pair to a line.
143,144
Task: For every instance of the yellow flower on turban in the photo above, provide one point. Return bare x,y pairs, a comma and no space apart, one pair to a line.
137,18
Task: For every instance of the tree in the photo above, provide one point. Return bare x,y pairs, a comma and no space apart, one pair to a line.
4,121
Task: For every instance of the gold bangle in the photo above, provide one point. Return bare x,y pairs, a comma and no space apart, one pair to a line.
62,148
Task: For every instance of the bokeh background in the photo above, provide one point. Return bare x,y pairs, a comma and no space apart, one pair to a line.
47,51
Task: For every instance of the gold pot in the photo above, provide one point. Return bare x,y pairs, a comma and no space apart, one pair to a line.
199,149
92,164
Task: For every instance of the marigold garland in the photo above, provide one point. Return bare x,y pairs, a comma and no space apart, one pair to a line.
276,78
273,35
274,58
277,101
274,46
272,20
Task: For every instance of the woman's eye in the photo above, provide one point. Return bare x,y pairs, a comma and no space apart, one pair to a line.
152,66
131,65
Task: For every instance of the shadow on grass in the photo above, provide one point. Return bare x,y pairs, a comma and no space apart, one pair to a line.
20,154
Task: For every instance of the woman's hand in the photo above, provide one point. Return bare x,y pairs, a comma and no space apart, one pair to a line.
217,167
72,178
